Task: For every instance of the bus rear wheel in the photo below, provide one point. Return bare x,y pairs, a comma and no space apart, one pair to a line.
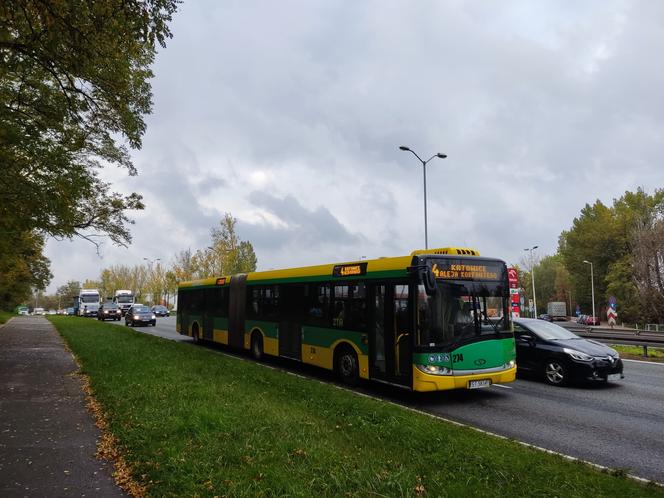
346,365
257,346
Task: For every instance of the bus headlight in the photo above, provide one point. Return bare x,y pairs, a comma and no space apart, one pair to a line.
509,364
434,370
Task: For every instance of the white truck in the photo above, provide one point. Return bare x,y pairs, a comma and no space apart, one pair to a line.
124,299
89,301
557,310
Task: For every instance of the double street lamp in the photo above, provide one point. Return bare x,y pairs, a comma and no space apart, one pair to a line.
592,284
424,169
532,275
150,261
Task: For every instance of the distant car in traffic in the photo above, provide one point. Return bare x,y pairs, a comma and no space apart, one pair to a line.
160,310
592,320
140,314
560,356
39,311
109,311
546,317
70,311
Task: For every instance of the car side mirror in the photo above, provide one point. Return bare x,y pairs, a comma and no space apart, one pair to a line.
527,338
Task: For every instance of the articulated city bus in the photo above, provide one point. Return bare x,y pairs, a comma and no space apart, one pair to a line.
434,320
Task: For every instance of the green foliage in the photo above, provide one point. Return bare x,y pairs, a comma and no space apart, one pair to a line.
69,291
74,81
22,267
623,244
226,255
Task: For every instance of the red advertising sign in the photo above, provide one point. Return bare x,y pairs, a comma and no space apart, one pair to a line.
513,279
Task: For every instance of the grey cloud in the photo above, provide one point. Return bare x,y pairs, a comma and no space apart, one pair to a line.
305,228
540,109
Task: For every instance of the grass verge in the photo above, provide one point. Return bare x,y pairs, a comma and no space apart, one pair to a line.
636,353
5,315
193,422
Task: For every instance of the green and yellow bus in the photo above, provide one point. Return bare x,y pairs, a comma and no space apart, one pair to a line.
434,320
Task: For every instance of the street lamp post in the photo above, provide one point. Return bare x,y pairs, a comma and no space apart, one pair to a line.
532,275
150,261
592,284
424,170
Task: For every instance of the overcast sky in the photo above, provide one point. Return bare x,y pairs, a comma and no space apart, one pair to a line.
289,116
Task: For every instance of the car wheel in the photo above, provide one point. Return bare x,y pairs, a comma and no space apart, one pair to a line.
555,372
154,323
257,346
346,365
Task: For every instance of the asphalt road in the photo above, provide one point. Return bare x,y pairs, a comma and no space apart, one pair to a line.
618,425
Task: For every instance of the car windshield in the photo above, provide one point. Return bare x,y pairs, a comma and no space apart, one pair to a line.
141,309
110,306
458,311
548,331
160,308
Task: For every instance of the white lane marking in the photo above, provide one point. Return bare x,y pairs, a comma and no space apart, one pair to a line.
502,385
645,362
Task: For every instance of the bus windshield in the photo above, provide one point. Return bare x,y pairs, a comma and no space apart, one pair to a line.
90,298
125,299
459,311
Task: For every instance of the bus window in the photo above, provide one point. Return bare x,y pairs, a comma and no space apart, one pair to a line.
317,304
350,307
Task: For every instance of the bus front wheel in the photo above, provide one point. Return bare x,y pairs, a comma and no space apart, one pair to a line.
346,365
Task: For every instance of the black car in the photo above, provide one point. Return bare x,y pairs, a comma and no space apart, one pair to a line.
109,311
545,316
139,314
549,350
160,310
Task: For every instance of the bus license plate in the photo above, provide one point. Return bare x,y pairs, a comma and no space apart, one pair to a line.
477,384
614,377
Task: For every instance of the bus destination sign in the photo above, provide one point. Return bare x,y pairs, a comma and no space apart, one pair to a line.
350,270
458,270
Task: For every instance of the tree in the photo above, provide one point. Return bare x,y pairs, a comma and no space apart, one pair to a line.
622,243
74,87
648,262
230,254
23,267
66,293
551,281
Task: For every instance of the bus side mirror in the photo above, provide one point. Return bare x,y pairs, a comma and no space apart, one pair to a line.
429,281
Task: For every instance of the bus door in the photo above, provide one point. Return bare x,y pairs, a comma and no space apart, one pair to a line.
291,298
390,343
236,307
208,313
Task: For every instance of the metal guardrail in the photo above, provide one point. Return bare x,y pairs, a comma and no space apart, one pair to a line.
654,327
619,336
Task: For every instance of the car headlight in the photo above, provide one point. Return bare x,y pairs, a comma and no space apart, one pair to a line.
153,317
434,370
578,355
136,317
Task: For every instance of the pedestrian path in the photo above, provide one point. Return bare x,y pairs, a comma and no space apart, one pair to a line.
47,438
